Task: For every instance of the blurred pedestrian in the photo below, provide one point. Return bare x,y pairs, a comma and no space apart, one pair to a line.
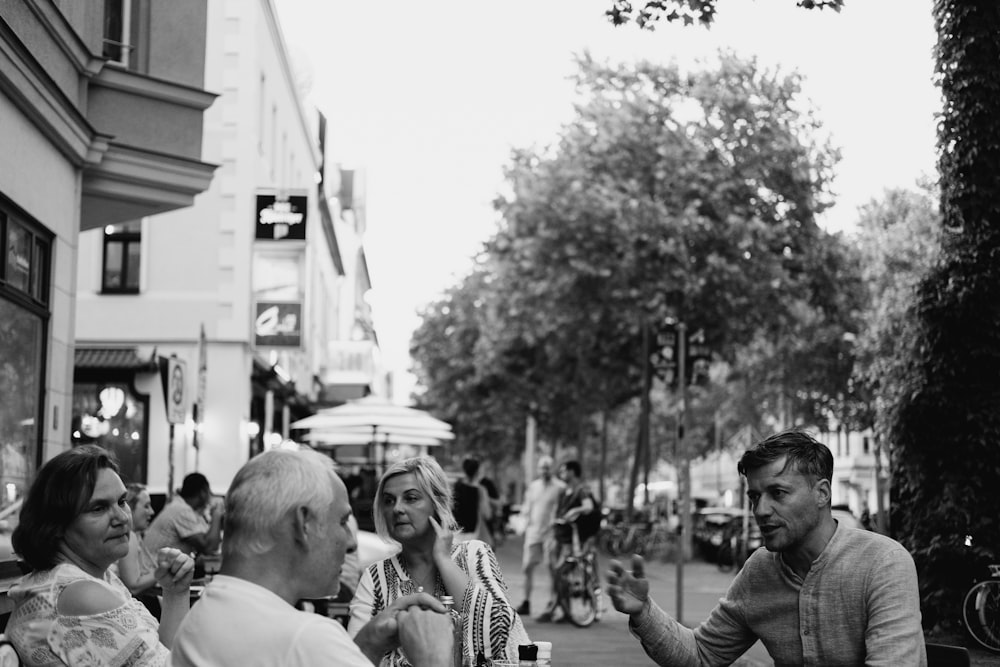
539,510
494,525
819,594
472,507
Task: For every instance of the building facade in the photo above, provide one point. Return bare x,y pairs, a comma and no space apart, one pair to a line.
203,333
101,109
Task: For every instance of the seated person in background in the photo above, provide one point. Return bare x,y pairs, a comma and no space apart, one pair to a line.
287,533
71,610
137,569
182,525
818,594
413,507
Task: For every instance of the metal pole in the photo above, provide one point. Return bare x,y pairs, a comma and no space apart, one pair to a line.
682,482
646,409
170,465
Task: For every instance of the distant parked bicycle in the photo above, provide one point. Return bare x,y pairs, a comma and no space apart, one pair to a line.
578,584
981,611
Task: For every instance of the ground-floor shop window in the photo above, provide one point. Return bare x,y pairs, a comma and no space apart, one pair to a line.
113,415
25,248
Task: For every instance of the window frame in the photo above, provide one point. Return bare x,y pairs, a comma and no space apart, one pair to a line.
126,239
36,301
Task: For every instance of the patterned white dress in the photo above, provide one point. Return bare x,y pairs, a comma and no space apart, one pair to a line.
491,625
125,636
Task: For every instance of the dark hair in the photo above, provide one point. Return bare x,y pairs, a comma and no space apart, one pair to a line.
194,484
807,455
59,493
574,467
471,467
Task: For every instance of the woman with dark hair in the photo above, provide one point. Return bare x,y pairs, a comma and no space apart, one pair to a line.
70,609
413,508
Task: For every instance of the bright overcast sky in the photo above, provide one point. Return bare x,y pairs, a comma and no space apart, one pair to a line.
429,97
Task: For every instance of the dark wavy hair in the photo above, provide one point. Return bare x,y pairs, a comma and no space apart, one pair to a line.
59,493
804,454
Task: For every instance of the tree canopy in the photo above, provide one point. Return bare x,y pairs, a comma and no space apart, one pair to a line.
671,195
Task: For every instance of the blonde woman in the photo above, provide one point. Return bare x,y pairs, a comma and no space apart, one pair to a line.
413,508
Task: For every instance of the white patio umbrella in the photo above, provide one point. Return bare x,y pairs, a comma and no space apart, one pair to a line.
343,438
376,420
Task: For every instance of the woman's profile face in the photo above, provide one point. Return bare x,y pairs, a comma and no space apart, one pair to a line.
99,535
406,508
142,513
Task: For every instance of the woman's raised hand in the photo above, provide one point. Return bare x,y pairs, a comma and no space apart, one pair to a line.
443,541
174,570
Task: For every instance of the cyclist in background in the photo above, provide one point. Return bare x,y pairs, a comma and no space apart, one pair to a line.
576,505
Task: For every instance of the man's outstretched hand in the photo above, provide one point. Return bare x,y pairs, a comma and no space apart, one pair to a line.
628,590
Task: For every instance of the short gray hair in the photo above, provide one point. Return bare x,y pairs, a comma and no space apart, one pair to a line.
432,482
269,486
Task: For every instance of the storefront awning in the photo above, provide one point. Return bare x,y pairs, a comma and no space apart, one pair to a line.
113,358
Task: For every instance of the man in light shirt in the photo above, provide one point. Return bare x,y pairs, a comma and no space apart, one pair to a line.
539,508
818,593
287,534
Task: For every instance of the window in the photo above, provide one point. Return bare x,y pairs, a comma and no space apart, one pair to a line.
25,261
122,251
117,30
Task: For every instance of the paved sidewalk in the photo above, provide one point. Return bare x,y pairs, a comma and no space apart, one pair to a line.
608,641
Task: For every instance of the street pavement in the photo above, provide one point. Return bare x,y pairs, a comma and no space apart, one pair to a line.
608,642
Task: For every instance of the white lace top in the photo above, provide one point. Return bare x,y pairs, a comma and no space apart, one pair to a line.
126,635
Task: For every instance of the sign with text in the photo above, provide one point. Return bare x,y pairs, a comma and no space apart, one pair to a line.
173,375
278,324
281,217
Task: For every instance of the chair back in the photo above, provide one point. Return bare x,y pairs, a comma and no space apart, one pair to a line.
8,656
943,655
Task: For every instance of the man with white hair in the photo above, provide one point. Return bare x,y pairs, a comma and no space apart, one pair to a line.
539,509
286,537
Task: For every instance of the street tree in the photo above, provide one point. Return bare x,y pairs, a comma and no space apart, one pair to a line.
898,237
671,195
946,427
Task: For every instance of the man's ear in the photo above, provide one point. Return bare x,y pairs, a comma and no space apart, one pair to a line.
824,495
302,524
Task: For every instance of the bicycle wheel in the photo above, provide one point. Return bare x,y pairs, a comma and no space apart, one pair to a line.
576,593
981,613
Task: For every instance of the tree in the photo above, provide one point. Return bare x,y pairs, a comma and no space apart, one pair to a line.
486,406
686,11
689,195
946,427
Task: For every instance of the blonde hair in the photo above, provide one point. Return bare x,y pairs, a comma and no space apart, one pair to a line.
430,479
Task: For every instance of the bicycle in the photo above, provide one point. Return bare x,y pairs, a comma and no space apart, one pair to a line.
981,610
578,584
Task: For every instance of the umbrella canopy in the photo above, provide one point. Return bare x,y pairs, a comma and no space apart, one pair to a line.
343,438
379,417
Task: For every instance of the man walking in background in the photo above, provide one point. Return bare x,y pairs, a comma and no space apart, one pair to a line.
539,509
